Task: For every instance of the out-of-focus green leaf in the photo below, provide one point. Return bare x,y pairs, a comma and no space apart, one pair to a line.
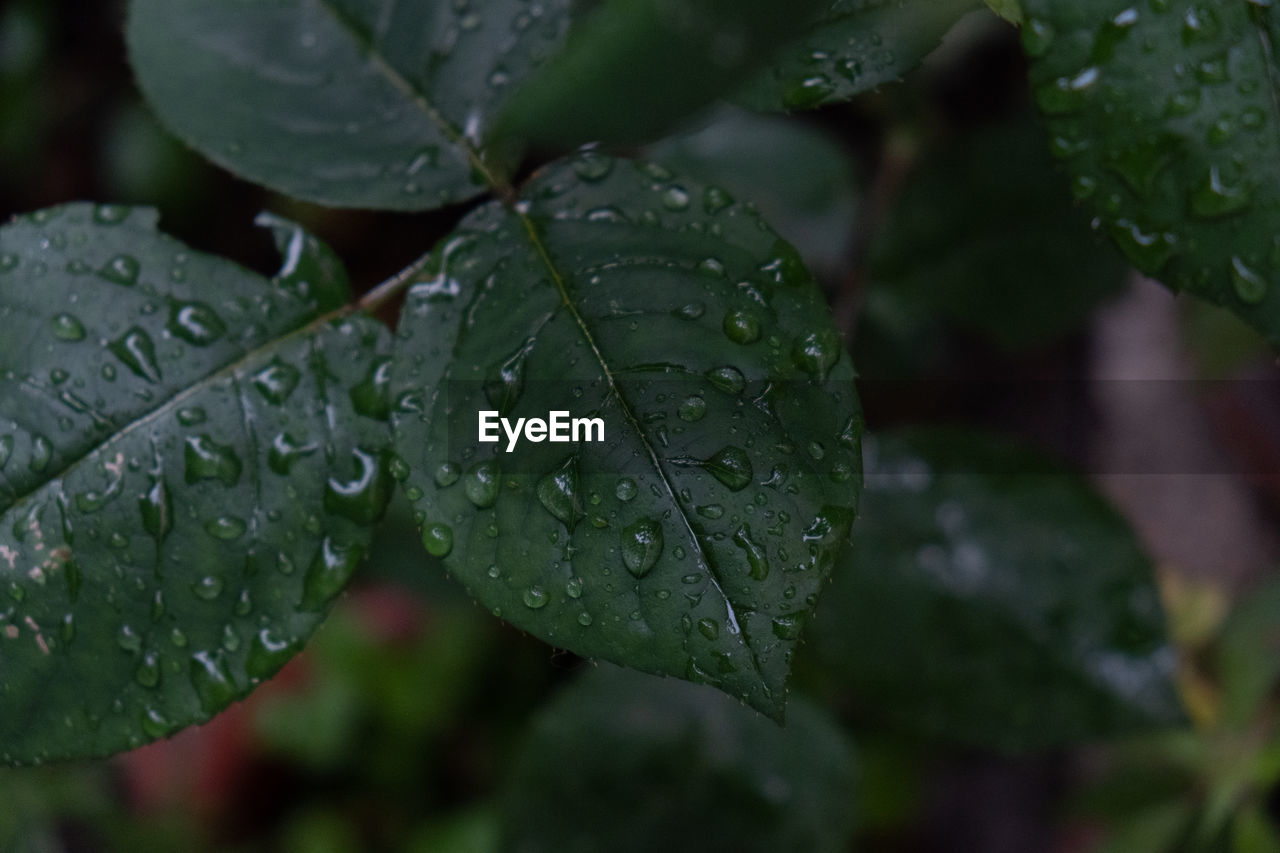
801,178
25,42
852,47
992,598
1219,341
626,762
190,458
350,103
633,69
368,688
141,162
1155,830
1143,774
984,235
693,535
38,799
1248,653
1166,114
1010,10
473,831
1254,831
316,829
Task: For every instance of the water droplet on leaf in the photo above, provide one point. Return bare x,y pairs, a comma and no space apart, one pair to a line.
641,543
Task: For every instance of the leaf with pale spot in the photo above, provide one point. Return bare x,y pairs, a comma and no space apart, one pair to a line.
188,465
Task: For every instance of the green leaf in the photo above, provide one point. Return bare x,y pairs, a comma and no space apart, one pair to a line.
633,69
185,478
1253,830
349,103
984,235
852,47
474,830
1247,661
1158,829
991,598
1010,10
802,179
1168,121
26,41
653,764
695,538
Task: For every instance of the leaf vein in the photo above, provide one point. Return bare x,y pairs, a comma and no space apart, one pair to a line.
416,95
558,279
200,385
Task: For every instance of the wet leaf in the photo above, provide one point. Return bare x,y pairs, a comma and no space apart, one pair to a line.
1166,116
185,477
1010,10
804,181
350,103
852,47
633,69
992,598
651,763
695,538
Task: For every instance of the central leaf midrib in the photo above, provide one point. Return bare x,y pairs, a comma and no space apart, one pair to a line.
558,280
166,406
415,94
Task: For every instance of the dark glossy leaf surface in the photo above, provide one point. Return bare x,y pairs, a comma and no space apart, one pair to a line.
992,598
852,47
351,103
1167,116
985,236
695,538
653,764
633,69
186,476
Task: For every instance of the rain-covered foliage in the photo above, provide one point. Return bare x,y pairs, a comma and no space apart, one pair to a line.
837,535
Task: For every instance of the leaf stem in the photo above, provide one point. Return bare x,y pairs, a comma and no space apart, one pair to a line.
392,287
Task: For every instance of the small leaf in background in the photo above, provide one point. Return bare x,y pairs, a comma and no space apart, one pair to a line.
349,104
385,673
1220,343
852,47
696,537
143,163
472,831
1248,656
993,599
1010,10
187,474
984,236
1253,830
25,114
1166,116
627,762
1159,829
634,69
39,799
802,178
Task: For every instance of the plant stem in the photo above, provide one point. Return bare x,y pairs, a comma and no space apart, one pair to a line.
392,287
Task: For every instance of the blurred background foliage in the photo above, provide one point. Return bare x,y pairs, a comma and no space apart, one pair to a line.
972,291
